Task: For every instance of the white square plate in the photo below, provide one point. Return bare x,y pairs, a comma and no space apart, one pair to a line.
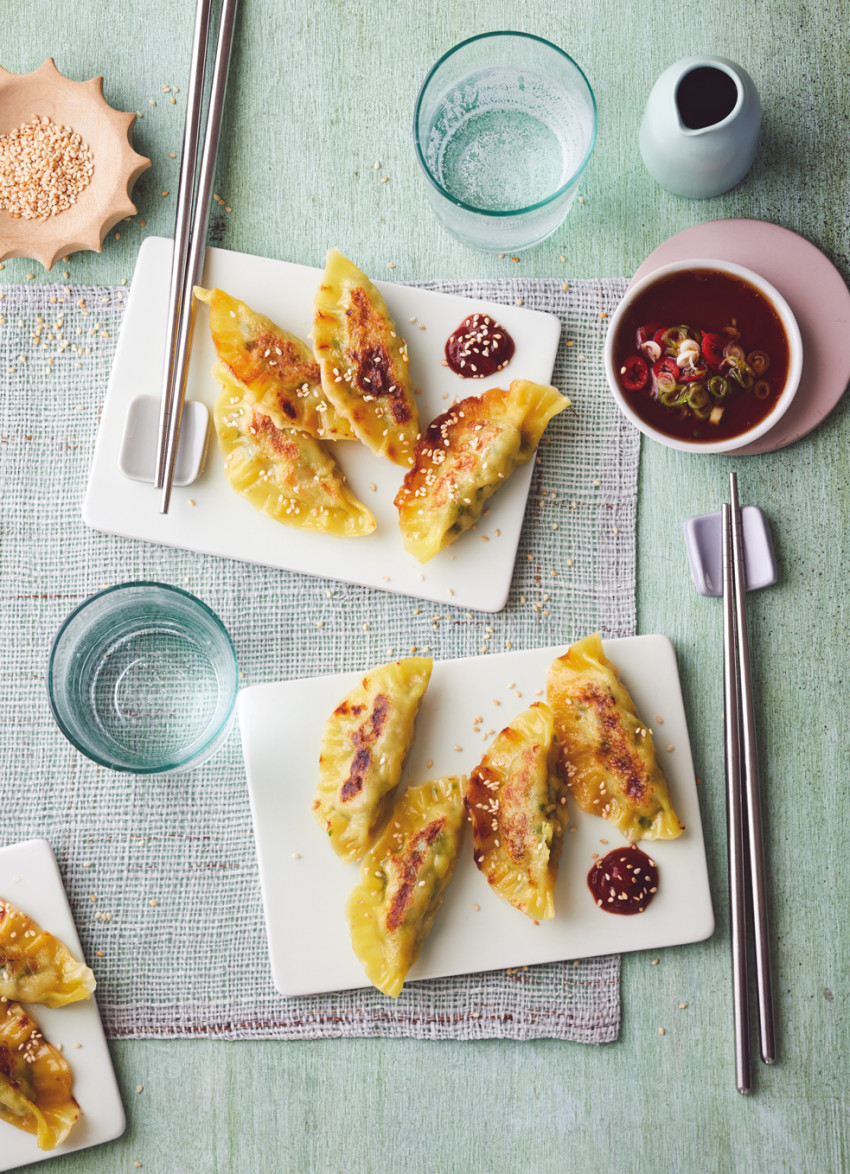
30,880
220,522
305,886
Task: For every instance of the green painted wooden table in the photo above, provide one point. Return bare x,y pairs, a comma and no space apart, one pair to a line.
319,93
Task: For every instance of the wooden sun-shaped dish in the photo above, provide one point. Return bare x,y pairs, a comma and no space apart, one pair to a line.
106,132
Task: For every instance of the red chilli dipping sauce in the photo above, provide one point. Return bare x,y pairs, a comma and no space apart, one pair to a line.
479,347
624,881
702,355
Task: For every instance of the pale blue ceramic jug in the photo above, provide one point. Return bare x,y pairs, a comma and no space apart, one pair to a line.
701,125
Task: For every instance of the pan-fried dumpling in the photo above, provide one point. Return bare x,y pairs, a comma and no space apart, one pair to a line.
284,473
403,880
364,745
364,361
465,456
517,817
607,756
35,966
275,366
35,1080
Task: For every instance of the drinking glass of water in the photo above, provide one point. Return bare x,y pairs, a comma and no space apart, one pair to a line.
504,126
143,678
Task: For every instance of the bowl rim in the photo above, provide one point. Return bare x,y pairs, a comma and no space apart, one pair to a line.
180,764
795,355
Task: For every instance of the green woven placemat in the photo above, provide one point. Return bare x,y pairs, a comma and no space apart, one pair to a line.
161,873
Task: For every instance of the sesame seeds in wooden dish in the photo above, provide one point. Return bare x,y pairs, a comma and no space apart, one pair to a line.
49,210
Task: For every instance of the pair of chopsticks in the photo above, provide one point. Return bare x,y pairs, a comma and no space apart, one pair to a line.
747,897
190,227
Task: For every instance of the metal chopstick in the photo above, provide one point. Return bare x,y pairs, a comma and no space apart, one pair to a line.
761,934
735,818
182,219
197,241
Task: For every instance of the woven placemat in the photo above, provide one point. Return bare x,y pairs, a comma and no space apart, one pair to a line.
161,872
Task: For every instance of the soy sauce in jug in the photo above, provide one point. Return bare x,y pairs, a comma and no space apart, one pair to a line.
705,96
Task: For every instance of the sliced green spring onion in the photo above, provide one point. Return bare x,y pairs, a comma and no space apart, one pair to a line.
759,361
699,401
675,336
673,396
762,388
719,388
743,375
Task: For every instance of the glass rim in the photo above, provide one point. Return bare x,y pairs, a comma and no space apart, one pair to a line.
170,766
500,212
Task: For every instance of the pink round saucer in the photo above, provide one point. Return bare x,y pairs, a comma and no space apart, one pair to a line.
813,288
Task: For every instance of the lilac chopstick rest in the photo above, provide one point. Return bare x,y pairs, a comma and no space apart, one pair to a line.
704,541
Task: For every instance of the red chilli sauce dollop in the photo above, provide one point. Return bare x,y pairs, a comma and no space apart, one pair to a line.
624,881
479,347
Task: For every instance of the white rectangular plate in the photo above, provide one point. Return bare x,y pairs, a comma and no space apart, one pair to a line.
305,886
221,522
30,879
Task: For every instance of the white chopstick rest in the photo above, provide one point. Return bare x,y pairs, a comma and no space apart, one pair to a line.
136,457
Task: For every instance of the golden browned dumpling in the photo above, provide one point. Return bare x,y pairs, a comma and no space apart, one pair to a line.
35,966
465,456
403,881
517,817
606,753
364,746
35,1080
276,367
364,361
283,473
